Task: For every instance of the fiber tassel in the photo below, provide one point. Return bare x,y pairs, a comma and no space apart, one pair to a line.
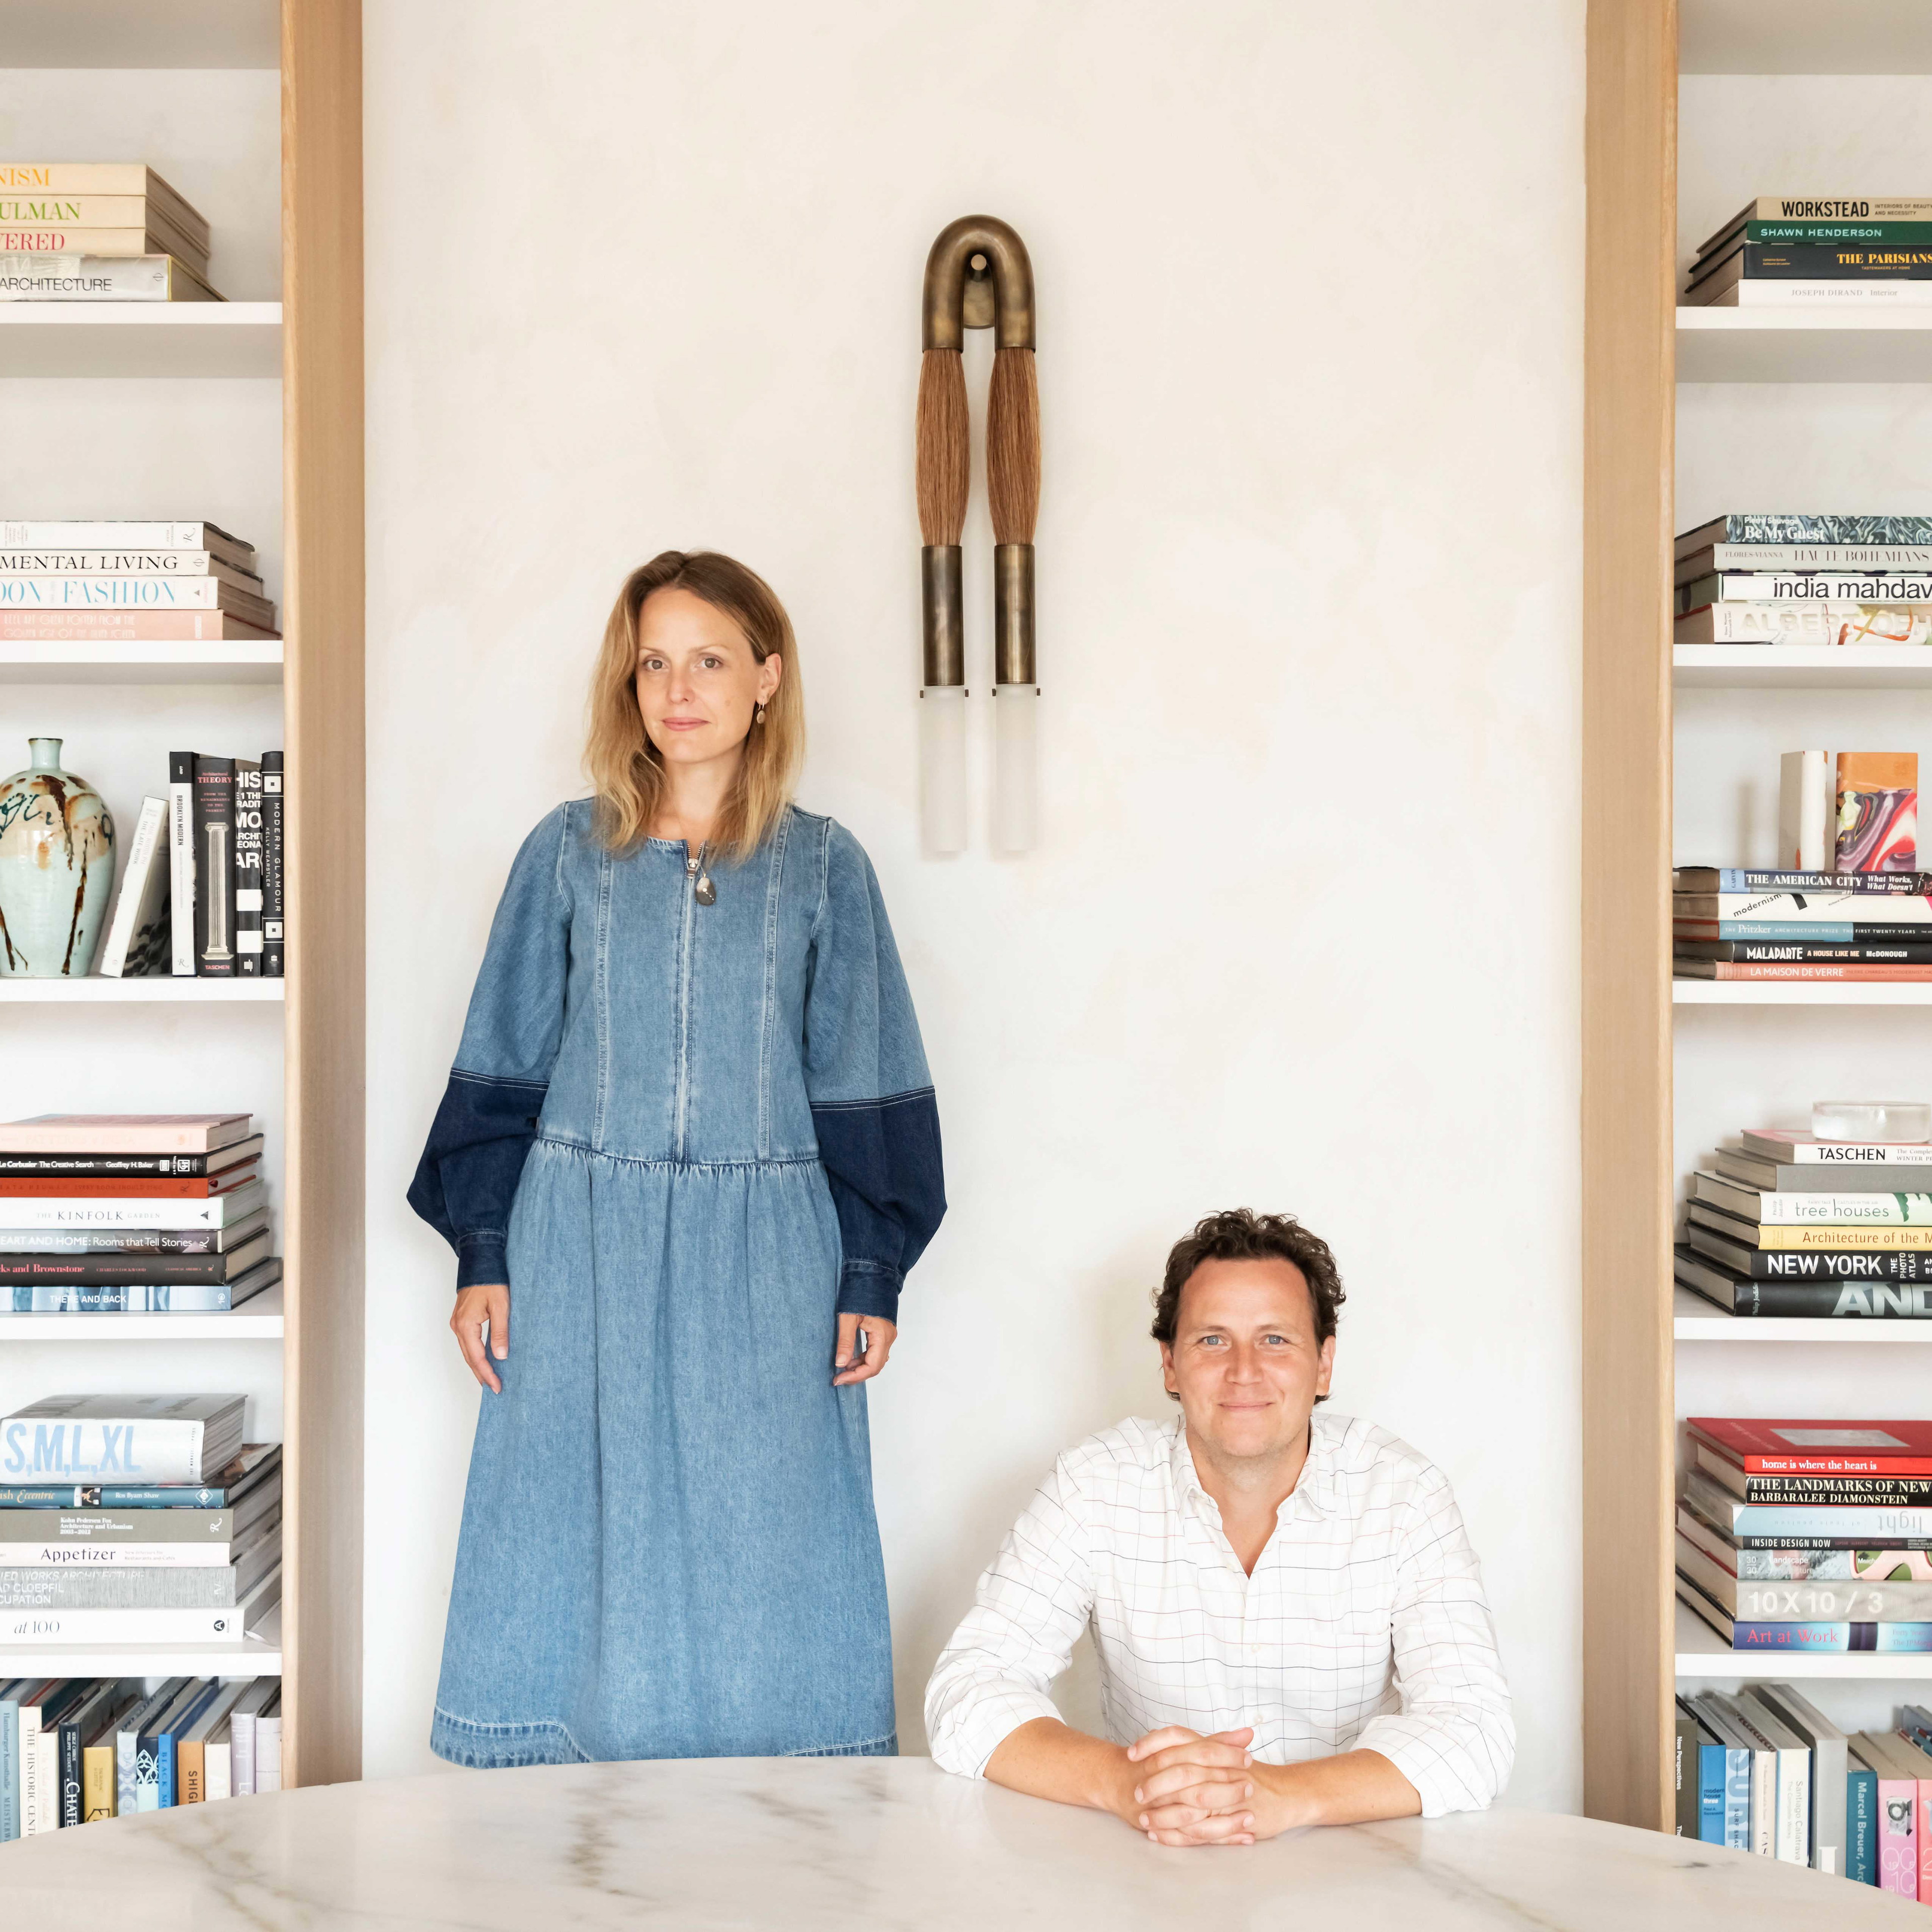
944,456
1012,446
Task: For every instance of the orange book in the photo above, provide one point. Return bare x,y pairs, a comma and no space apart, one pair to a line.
203,1187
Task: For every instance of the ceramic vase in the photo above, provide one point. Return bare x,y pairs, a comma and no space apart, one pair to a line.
56,869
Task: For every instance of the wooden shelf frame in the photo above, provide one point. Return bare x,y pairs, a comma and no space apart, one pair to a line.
1629,456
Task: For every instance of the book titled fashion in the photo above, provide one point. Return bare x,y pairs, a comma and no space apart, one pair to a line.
92,1438
156,592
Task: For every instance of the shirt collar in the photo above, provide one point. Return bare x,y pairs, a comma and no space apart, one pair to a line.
1316,1484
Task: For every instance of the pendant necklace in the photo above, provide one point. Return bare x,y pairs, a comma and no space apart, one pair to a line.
704,892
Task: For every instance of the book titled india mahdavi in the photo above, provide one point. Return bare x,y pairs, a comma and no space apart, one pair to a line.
90,1439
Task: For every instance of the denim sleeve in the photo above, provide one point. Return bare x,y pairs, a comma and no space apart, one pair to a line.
467,1178
872,1103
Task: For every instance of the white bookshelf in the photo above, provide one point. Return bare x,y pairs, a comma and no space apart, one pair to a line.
120,339
95,990
1801,993
258,1654
1703,1654
258,1319
140,660
1694,1319
1801,667
1772,345
141,34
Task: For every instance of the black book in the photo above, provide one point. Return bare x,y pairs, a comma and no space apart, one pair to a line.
1838,1492
158,1166
109,1270
1807,1300
214,867
1795,1264
273,895
247,869
1799,953
1841,262
132,1241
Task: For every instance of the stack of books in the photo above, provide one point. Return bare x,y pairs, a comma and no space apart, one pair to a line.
1782,1223
132,1214
1793,577
76,1749
1733,923
1766,1772
98,231
1816,251
136,1519
1808,1537
73,582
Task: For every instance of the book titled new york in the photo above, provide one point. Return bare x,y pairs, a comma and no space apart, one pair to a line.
214,867
1822,1301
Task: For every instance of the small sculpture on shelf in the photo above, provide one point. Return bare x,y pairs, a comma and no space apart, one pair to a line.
56,868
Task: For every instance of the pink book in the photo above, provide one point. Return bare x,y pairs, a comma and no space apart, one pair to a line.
122,1133
1908,1756
1898,1812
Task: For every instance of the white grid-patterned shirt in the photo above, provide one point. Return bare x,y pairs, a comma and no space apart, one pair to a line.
1364,1626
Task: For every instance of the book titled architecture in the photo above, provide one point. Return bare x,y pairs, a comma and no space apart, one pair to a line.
111,278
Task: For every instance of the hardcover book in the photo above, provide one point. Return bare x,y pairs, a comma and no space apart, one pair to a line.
1867,295
38,277
1826,1300
25,533
1770,1210
1768,586
153,1166
1877,798
122,1210
248,868
156,1298
101,625
91,1438
274,916
1723,1246
1879,557
1760,526
1820,906
214,867
139,929
1786,1143
181,863
1834,625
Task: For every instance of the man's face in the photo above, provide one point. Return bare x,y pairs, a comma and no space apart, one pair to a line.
1244,1359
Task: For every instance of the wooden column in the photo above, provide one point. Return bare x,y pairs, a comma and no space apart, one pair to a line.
323,601
1630,401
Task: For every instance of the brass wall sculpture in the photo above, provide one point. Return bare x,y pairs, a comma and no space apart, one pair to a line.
978,276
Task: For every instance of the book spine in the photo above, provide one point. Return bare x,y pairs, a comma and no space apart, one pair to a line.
72,1788
1827,234
10,1770
1876,293
1801,587
147,1771
1877,1301
181,859
273,894
1737,1797
54,1166
27,1211
114,593
1862,1825
146,1242
1711,1794
1922,1837
1780,1210
1805,556
99,1781
166,1450
190,1762
1844,932
23,1496
161,1298
82,1555
134,886
183,1587
1798,953
1786,261
205,1626
1834,1638
1794,1807
30,1769
218,1769
1787,527
214,867
56,562
1877,885
1851,973
188,1527
241,1747
1838,1236
1864,1528
1854,1602
268,1754
108,1187
247,869
1683,1775
101,625
26,533
1833,624
110,1271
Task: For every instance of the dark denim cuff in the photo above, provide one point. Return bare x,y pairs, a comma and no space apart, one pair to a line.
480,1258
866,1289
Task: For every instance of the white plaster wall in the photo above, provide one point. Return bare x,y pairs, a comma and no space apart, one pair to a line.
1302,930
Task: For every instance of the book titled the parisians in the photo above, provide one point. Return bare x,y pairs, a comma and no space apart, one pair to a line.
138,1439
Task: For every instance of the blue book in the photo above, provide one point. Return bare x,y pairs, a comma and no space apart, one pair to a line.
1712,1788
10,1759
1735,1752
1860,1824
173,1725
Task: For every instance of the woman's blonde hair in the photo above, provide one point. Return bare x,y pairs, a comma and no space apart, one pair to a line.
623,764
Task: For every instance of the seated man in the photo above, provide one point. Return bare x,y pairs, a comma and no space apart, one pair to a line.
1289,1619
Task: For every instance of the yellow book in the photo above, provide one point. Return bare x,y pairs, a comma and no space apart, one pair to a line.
97,1782
1842,1241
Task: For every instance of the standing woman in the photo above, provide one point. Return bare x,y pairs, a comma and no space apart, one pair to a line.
690,1141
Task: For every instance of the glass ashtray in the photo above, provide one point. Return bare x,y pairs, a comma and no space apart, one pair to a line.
1872,1120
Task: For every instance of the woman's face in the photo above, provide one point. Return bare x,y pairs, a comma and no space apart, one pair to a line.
698,681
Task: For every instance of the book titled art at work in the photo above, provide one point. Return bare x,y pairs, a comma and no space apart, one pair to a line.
122,1133
1798,1639
96,1438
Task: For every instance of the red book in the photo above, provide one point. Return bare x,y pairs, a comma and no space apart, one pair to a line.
1830,1447
68,1186
1725,969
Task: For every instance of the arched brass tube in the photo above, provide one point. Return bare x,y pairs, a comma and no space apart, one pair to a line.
956,293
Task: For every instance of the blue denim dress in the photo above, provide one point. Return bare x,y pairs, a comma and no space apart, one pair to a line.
688,1136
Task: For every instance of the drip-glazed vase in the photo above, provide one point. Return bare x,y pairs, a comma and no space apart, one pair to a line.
56,869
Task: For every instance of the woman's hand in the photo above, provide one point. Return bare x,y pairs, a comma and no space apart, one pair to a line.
486,1302
880,1334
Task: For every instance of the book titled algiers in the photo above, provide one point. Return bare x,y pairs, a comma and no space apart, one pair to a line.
91,1439
118,278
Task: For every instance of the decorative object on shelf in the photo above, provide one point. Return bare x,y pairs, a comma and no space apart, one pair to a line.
1803,812
1878,812
1907,1121
56,868
978,275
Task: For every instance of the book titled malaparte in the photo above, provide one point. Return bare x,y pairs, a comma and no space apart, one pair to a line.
91,1439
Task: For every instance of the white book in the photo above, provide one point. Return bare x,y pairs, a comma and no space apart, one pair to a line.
111,593
17,532
1820,295
269,1752
1803,812
1806,623
45,1772
83,278
177,1627
28,1763
218,1765
1793,1816
136,921
209,1555
118,1210
53,561
121,1438
242,1730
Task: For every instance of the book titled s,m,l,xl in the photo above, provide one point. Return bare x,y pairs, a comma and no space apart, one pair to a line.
154,1438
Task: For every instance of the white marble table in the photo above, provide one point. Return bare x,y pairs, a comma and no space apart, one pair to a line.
845,1843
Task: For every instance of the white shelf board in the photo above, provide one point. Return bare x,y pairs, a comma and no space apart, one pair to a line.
1803,36
95,990
141,33
141,338
259,1318
1802,667
1694,1319
1796,992
259,1655
1701,1653
139,661
1765,345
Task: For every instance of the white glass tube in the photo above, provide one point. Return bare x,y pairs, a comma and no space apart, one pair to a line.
942,766
1016,768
